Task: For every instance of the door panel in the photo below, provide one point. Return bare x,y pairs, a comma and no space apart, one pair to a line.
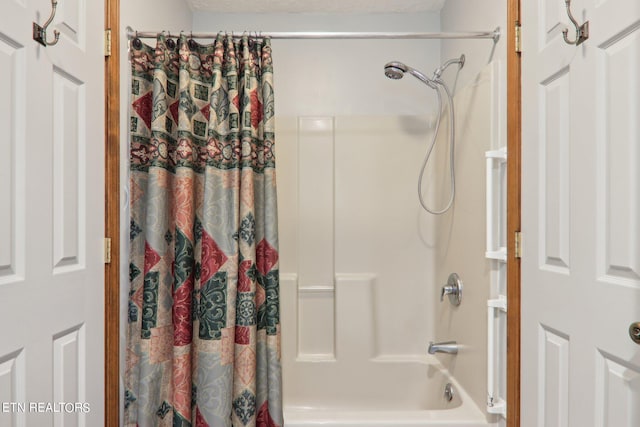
71,21
68,166
580,216
52,216
617,391
555,190
12,172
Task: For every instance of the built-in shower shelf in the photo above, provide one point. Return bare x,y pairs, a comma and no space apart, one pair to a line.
497,154
499,255
495,163
498,407
496,252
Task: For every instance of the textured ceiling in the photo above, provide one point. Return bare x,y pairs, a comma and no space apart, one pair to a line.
316,6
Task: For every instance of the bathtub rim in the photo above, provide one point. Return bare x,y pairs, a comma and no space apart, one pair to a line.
466,414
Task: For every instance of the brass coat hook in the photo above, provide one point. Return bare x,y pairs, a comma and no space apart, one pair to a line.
582,31
40,32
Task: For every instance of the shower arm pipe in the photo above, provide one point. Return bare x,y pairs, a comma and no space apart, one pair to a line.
438,72
494,35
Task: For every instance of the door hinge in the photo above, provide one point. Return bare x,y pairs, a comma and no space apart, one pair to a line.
518,37
107,42
518,244
107,250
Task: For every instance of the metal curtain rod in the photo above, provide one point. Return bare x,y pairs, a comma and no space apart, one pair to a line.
495,35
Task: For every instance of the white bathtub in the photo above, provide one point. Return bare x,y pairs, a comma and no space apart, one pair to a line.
389,393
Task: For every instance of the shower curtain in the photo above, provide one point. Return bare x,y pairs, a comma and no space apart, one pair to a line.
203,344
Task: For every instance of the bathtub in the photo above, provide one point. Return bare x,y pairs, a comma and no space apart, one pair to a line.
376,393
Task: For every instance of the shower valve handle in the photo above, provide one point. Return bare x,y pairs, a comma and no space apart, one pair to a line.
446,290
453,288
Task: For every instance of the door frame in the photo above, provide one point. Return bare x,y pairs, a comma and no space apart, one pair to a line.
112,215
514,161
112,219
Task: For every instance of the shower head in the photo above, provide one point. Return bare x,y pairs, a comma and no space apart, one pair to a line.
395,70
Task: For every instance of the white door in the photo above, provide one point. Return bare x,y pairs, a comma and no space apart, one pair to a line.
51,216
580,215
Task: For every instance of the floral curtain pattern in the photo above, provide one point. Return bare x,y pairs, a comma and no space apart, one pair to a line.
203,344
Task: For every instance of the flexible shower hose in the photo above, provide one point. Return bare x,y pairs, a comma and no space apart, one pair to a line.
452,186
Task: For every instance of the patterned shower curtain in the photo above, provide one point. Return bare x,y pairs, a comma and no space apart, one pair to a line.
203,345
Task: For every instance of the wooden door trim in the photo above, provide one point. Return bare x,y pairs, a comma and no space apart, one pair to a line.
112,216
112,219
514,108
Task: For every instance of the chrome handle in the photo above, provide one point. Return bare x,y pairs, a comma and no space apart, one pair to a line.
446,290
634,332
453,288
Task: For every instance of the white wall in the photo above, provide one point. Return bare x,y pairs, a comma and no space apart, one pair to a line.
143,16
481,125
473,15
461,231
356,250
341,77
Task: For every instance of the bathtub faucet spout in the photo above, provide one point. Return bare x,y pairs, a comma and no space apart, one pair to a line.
450,347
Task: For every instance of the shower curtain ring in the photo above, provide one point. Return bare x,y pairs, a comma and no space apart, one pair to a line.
192,43
137,43
171,44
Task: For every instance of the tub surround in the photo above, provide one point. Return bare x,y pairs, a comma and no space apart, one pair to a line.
361,263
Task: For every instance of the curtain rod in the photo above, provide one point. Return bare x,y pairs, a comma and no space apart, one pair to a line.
495,35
